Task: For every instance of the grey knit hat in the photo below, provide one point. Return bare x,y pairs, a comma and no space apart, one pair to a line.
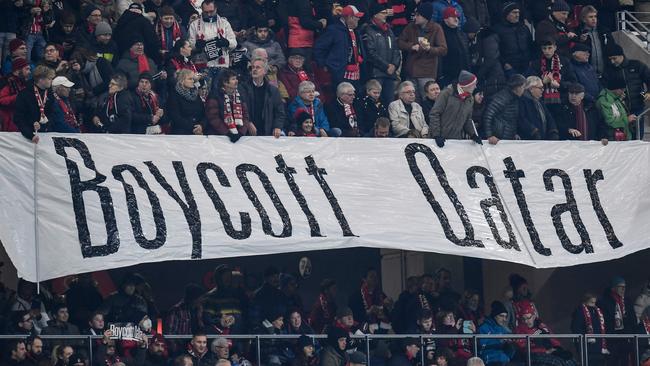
103,28
466,78
560,5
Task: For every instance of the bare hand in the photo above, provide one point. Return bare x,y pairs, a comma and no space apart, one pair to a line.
197,130
97,122
323,22
493,140
323,133
583,37
571,35
291,133
507,67
574,133
604,142
36,139
555,84
163,75
415,47
277,132
631,118
37,126
252,130
391,69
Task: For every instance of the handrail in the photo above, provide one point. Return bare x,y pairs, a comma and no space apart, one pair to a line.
627,19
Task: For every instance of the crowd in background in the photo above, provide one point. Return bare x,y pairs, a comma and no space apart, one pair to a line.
235,306
443,69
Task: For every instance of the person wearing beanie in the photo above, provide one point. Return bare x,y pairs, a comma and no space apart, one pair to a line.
304,352
440,8
580,119
64,33
451,116
584,71
515,40
135,62
133,24
407,354
618,312
148,114
457,57
496,351
103,44
555,27
620,122
423,43
91,15
333,354
17,49
501,116
383,56
15,82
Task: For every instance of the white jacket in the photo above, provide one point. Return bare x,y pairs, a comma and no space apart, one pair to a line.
207,31
399,121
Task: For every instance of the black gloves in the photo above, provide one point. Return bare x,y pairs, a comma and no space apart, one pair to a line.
199,44
234,137
477,139
221,42
440,141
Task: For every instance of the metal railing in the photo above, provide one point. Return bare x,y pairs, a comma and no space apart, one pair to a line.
629,21
582,344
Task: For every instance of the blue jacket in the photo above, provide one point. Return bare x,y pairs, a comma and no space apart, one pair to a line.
321,119
332,47
588,77
492,350
439,7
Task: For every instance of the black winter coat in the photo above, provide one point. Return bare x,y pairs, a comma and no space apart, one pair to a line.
566,71
457,57
131,23
27,112
515,44
336,115
487,65
120,121
381,50
608,305
531,125
596,127
636,76
477,9
184,114
273,111
501,116
142,114
233,10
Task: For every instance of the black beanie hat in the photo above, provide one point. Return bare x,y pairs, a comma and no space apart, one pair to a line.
497,308
614,49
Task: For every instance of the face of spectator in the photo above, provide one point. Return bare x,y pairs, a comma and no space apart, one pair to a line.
167,21
63,91
444,280
110,348
230,87
258,70
372,280
581,56
20,52
549,50
45,83
441,361
104,38
537,90
97,322
529,319
144,85
620,290
199,344
374,93
478,98
67,353
296,319
278,323
420,20
592,300
296,62
449,319
19,353
129,288
352,22
67,28
519,91
262,33
426,324
576,99
382,131
186,50
137,48
513,16
222,351
157,348
209,9
407,95
308,351
427,284
472,302
308,95
26,322
561,16
347,320
95,17
433,91
452,22
342,343
616,60
412,350
188,82
347,96
37,347
502,319
51,54
591,20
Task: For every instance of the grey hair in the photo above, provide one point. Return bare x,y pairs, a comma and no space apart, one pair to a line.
342,88
305,85
404,84
265,62
182,74
475,361
261,50
532,81
373,84
223,362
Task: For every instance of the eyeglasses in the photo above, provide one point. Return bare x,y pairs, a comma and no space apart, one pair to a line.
50,50
408,92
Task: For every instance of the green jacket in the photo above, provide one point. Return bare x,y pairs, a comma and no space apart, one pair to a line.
613,112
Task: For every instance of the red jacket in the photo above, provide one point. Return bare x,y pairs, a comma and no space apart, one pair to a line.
8,93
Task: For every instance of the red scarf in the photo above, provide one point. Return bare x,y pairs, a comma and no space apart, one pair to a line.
180,64
68,114
620,304
552,95
646,325
366,296
581,122
233,112
143,62
322,298
589,324
176,34
383,26
350,115
111,105
148,101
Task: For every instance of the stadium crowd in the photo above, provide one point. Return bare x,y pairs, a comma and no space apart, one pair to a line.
428,306
443,69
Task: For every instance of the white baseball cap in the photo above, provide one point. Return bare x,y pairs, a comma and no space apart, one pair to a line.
62,80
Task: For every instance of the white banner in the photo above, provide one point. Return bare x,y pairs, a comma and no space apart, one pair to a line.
108,201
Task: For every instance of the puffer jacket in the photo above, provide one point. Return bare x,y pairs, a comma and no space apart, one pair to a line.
516,44
501,116
487,65
273,48
494,350
635,74
381,50
450,116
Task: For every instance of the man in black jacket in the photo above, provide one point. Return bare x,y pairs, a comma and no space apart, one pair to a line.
619,319
133,22
515,40
502,114
635,73
457,57
35,104
580,119
265,106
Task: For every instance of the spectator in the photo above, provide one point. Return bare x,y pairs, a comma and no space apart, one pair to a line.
406,115
124,305
39,20
643,327
35,105
407,353
65,116
182,318
307,99
496,351
357,359
535,120
381,128
133,27
186,113
157,354
339,48
344,113
555,28
441,6
60,325
431,92
303,23
64,33
213,36
265,106
220,349
91,17
263,12
619,319
20,323
17,352
422,42
83,296
585,73
169,31
635,75
10,25
304,124
515,40
34,356
589,319
425,325
642,301
581,119
135,62
324,309
333,353
470,308
447,297
457,57
382,55
53,60
199,352
502,113
148,114
446,323
372,107
618,120
305,355
274,351
452,113
370,303
226,111
17,49
180,59
103,44
267,298
477,9
263,37
114,115
13,84
295,323
62,355
292,74
485,58
594,38
96,324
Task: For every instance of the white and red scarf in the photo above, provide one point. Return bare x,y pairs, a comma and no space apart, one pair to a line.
233,112
351,116
353,69
68,113
619,313
589,323
148,101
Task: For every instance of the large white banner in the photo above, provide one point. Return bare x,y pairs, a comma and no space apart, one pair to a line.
107,201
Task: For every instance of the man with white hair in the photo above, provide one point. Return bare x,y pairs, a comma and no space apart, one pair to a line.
265,106
219,348
535,120
406,116
344,113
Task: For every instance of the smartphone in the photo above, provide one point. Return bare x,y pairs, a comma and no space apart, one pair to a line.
467,327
